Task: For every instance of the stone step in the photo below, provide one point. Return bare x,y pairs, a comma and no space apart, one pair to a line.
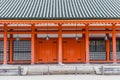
7,70
107,70
58,69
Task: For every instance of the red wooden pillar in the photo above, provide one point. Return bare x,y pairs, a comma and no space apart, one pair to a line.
11,48
60,45
87,45
35,46
107,48
32,45
114,44
5,45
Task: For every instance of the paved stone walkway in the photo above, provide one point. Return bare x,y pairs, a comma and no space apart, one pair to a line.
62,77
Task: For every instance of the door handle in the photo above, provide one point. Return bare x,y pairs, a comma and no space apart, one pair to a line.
54,59
78,59
64,59
39,59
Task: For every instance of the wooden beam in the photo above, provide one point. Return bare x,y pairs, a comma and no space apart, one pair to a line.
64,32
57,21
22,32
19,27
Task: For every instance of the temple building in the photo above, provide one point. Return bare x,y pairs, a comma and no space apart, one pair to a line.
59,31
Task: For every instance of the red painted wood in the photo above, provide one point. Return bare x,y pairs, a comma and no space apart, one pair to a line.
47,51
73,51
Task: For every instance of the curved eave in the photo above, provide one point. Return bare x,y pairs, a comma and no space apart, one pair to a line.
92,18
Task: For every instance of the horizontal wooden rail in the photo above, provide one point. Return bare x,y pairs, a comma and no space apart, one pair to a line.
58,21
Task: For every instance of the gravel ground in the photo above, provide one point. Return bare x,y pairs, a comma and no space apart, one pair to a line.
62,77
